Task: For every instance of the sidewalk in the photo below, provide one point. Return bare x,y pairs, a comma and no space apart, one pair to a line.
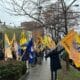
40,72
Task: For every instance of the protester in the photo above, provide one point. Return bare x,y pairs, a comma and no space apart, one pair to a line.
32,56
54,62
46,51
13,51
20,52
25,57
16,49
39,57
30,50
35,57
1,53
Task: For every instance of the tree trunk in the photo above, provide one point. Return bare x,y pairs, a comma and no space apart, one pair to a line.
66,31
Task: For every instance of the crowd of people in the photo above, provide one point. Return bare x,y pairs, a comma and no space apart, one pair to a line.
32,53
28,52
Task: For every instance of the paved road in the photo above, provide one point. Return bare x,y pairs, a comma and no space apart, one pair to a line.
40,72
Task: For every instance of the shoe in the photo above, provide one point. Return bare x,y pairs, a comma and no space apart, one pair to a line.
27,72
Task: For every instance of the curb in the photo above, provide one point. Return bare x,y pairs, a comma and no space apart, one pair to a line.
24,76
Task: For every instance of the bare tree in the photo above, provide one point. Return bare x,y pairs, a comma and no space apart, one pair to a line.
54,17
29,8
35,9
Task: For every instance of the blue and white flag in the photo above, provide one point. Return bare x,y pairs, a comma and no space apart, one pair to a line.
30,50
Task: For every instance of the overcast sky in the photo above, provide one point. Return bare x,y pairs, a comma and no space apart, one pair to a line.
16,20
11,19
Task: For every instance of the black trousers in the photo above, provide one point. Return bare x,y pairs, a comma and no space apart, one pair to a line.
54,75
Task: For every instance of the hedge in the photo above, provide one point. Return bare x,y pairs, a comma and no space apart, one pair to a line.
12,70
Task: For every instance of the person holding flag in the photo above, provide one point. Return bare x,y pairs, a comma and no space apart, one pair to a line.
54,61
30,48
28,54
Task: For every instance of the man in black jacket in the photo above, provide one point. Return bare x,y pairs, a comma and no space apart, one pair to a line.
54,61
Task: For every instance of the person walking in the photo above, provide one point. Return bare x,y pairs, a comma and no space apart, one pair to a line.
25,57
54,62
13,51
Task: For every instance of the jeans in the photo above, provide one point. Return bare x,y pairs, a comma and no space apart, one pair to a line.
53,75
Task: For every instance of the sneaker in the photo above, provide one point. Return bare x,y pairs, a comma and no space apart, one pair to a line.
27,71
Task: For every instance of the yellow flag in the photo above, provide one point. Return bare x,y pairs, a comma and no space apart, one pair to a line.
39,40
6,39
47,41
13,39
77,37
8,53
51,43
73,49
38,43
23,39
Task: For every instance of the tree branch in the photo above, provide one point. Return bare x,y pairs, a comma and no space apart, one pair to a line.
70,5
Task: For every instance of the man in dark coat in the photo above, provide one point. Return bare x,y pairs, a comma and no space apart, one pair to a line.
54,61
25,57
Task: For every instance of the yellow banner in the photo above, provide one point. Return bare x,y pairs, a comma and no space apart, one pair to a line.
70,43
6,39
13,39
47,41
38,43
8,53
23,39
